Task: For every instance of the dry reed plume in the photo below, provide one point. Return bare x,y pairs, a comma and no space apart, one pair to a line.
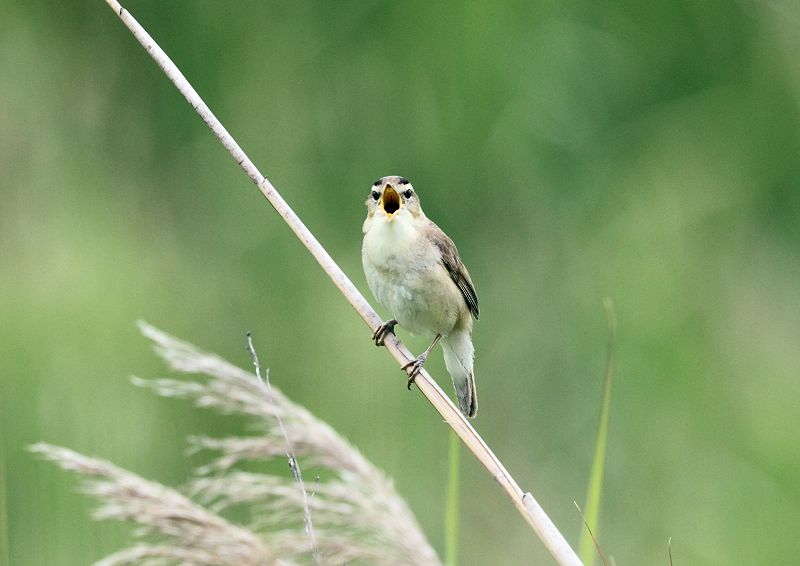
357,515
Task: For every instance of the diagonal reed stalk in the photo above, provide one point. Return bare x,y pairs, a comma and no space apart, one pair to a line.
524,502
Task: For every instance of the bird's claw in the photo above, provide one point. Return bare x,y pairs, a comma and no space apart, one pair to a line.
380,333
415,365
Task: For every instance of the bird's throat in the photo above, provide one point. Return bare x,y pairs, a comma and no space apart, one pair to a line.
393,234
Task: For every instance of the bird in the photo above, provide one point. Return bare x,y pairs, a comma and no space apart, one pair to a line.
414,271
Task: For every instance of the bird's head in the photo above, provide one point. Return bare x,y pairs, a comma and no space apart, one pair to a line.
391,197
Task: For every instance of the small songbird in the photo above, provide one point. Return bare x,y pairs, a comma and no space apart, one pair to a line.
414,271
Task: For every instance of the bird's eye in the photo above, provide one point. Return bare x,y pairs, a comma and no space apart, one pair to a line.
377,183
403,181
375,195
407,193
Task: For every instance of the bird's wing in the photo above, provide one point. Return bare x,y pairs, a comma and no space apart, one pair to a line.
458,272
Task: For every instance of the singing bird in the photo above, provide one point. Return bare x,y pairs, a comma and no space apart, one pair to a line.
414,271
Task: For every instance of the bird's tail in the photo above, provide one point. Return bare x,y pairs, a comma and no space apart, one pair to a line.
458,353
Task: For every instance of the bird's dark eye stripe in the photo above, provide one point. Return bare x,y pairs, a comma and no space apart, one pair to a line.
403,181
377,183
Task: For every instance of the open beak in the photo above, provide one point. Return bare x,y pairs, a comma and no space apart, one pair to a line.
390,202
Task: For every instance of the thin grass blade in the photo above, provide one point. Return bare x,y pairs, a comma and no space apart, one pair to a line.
586,549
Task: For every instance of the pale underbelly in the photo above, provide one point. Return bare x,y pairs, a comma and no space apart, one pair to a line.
422,302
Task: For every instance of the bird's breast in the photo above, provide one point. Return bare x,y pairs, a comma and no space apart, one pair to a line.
405,274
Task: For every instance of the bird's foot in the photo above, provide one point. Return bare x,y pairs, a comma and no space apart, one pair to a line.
415,365
380,333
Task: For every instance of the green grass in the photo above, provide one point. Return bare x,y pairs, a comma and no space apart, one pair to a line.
5,557
594,492
451,507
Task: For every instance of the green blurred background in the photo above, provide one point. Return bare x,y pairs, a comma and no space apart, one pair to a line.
648,152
